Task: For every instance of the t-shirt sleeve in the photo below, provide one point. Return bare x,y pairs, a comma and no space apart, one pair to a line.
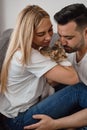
39,64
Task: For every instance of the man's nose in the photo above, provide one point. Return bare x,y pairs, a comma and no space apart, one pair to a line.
63,41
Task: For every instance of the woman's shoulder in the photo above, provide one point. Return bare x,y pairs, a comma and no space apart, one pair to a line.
37,55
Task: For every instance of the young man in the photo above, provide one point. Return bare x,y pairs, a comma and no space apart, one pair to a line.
72,30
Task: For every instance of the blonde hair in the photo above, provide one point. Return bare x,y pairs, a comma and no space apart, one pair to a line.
22,36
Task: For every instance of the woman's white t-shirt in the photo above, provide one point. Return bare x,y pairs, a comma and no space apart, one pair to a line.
25,83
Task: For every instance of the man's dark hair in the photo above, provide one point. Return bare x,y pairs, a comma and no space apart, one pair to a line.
74,12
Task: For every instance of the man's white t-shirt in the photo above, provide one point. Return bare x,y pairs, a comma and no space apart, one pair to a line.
81,66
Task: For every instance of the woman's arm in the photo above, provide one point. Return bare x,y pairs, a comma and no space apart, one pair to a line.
62,74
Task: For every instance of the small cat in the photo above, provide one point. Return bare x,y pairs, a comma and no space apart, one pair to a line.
56,52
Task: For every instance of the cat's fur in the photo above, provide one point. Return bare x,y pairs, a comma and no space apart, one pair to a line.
56,52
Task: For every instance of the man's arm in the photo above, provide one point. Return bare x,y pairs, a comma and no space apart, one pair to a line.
76,120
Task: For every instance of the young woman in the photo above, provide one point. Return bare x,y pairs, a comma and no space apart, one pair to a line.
25,71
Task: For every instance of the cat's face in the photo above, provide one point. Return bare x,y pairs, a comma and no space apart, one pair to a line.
56,52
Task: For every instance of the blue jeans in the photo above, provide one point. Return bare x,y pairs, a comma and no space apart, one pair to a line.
57,105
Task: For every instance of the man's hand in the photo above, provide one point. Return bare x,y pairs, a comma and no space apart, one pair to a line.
45,123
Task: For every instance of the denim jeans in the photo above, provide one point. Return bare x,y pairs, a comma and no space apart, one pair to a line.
60,104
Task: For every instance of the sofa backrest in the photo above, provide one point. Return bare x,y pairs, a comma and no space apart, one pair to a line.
4,41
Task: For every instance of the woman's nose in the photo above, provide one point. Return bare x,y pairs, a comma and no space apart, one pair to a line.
48,36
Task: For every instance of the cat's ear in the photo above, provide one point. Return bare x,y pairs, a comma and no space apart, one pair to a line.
54,53
58,44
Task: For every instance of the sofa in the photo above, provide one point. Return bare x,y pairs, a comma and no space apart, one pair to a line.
4,41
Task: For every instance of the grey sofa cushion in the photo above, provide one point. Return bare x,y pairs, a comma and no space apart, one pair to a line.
4,41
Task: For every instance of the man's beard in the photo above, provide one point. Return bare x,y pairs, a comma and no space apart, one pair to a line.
69,49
